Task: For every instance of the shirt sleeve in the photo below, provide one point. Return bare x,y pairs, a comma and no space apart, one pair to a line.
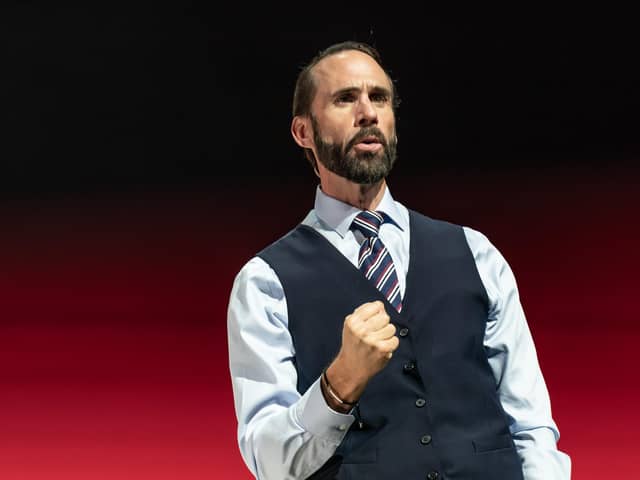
281,433
512,357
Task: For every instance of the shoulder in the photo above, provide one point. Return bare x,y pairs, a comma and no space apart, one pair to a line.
287,247
433,226
478,241
256,276
494,270
484,251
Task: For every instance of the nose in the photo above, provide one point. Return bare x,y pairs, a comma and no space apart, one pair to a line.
366,114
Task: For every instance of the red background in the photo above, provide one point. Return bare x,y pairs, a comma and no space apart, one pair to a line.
113,344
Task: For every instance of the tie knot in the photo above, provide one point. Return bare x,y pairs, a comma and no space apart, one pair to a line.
368,223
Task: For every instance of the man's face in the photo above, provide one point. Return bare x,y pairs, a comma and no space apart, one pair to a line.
352,117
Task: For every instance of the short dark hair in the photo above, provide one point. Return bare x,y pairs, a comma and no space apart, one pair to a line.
305,88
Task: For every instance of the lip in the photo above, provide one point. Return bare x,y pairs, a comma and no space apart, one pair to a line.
370,139
368,147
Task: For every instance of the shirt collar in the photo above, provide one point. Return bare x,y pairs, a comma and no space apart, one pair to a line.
338,215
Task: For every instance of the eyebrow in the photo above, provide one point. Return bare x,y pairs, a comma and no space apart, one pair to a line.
374,90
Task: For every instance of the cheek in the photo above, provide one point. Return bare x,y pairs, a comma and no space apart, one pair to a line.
337,137
390,131
390,123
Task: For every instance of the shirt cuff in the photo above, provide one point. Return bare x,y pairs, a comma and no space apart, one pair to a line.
541,460
317,418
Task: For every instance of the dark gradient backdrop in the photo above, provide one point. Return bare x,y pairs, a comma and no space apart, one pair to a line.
146,156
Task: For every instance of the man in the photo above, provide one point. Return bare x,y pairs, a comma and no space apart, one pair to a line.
371,341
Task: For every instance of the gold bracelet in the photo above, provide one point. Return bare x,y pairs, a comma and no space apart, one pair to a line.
333,394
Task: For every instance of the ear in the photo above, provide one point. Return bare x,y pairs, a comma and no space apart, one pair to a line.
301,131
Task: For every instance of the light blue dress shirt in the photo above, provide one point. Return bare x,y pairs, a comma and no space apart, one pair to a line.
285,435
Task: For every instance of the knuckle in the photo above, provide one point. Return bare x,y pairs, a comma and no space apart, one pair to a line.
351,321
359,331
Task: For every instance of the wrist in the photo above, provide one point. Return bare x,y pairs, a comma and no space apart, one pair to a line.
333,397
344,382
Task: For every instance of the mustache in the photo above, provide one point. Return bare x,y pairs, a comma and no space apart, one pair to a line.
364,133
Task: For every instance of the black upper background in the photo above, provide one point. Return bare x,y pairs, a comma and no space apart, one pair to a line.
107,98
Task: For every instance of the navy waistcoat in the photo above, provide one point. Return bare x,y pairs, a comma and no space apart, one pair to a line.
433,412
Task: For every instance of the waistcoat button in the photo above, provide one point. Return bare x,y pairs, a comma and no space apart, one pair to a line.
425,440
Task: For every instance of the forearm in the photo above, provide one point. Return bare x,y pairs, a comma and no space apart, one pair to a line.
282,434
541,460
290,442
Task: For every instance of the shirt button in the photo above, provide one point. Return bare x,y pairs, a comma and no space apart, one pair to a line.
420,402
433,475
426,440
403,332
342,428
409,367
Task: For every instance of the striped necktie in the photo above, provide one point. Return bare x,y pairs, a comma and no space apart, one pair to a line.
375,261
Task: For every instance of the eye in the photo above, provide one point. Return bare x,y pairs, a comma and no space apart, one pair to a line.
345,98
379,97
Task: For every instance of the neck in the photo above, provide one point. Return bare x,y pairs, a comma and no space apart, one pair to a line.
362,196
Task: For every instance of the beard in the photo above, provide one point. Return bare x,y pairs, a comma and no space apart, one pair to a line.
357,167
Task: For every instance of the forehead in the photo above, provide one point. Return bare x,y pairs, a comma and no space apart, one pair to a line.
348,69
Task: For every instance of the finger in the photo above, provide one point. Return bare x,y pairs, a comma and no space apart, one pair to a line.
369,308
367,317
377,321
385,333
389,345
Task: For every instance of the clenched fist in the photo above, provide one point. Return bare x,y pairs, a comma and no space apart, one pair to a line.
368,342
